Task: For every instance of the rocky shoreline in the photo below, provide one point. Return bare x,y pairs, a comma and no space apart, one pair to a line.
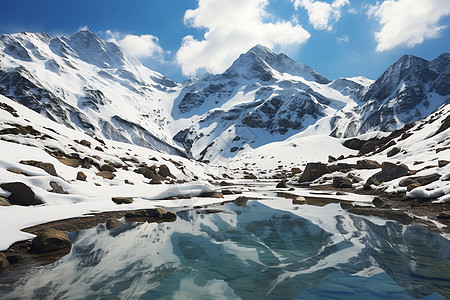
386,205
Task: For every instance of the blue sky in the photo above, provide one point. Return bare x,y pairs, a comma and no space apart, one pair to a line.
340,38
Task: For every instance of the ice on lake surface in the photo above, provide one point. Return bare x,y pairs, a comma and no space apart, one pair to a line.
269,249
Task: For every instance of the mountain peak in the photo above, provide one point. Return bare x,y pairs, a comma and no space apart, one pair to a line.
91,49
261,62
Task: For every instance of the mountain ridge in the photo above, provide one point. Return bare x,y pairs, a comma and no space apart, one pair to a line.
261,98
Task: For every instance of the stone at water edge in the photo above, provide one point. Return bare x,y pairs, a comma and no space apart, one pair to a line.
282,184
21,194
3,261
377,202
112,224
51,240
241,201
342,182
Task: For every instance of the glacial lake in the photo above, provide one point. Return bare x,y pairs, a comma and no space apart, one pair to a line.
268,249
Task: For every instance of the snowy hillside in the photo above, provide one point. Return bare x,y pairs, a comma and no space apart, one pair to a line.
88,84
72,174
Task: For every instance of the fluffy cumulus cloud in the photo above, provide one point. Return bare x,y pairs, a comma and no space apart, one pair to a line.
321,14
408,22
139,46
231,28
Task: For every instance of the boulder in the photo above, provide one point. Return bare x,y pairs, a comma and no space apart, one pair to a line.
241,201
346,205
412,186
299,200
81,176
21,194
126,181
387,165
331,159
281,185
51,240
313,171
342,182
16,171
295,171
71,162
148,173
393,152
406,182
354,144
378,202
113,224
85,143
164,171
105,174
122,200
151,215
340,167
442,163
427,179
367,164
391,173
3,261
224,183
56,188
14,258
369,182
108,168
47,167
248,175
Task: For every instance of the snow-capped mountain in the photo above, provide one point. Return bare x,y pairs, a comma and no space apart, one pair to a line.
91,85
411,89
88,84
263,97
266,97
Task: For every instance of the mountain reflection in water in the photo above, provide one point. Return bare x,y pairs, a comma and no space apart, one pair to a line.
265,250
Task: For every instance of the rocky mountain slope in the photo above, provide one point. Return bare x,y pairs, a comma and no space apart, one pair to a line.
88,84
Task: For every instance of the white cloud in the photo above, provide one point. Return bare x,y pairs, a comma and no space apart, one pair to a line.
83,28
320,13
408,22
139,46
232,27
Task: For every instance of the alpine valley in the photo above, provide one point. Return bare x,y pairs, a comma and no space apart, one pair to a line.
83,123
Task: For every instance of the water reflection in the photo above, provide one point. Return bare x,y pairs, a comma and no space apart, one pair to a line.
265,250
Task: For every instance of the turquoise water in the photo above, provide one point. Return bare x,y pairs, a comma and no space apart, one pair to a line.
269,249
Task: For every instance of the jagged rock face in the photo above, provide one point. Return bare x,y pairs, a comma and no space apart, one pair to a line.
406,92
88,84
260,93
410,89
